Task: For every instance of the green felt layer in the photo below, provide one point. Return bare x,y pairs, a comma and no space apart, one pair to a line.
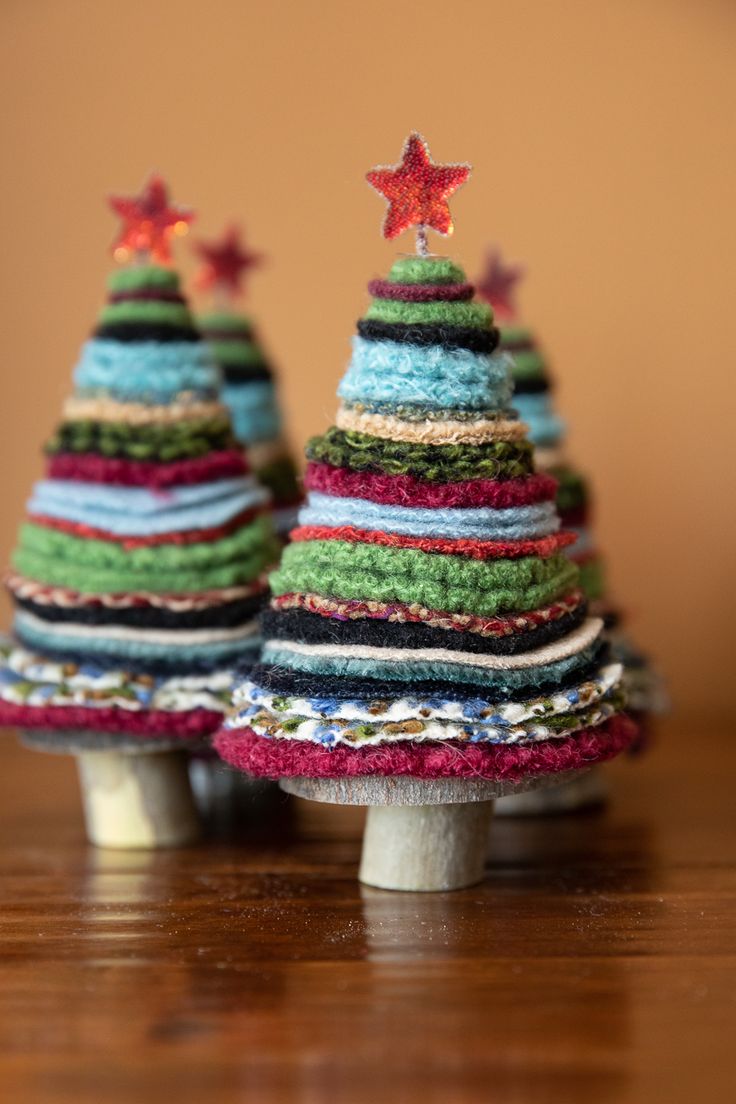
96,566
426,270
572,490
455,313
516,335
221,320
237,354
528,366
453,583
147,310
143,276
174,441
592,579
280,476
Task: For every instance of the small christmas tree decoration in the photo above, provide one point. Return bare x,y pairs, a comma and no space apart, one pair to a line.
427,647
533,402
248,382
139,571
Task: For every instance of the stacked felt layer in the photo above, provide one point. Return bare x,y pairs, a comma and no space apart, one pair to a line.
139,571
249,391
533,401
425,619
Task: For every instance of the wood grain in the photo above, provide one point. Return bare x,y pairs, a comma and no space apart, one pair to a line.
596,963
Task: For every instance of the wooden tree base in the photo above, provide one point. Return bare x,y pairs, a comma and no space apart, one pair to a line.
585,789
421,835
137,799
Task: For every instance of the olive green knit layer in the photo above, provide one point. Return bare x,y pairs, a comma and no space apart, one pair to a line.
148,311
426,270
280,476
222,322
166,442
434,463
341,569
455,313
528,366
138,277
96,566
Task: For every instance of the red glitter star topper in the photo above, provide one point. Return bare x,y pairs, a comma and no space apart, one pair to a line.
497,284
149,222
225,263
417,191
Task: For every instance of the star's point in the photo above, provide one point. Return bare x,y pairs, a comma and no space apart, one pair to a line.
417,190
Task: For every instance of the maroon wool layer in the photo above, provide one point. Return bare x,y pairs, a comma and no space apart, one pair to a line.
407,490
474,549
274,758
419,293
192,725
92,468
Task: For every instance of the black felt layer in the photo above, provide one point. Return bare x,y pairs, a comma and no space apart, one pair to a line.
312,628
146,331
308,684
535,386
149,617
237,373
452,337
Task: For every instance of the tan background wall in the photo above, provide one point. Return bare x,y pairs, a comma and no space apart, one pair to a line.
602,135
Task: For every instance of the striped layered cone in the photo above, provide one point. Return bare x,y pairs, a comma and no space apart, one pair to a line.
141,565
426,620
249,390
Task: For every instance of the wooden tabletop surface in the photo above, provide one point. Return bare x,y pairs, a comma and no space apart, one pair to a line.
596,963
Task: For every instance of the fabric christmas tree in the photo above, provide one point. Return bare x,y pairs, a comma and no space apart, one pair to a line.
248,382
533,389
425,620
139,570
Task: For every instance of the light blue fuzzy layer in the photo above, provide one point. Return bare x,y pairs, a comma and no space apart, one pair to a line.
254,410
57,641
154,371
134,511
431,375
546,427
583,544
485,523
525,679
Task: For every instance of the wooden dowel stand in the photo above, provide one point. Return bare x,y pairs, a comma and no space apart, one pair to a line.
421,835
137,799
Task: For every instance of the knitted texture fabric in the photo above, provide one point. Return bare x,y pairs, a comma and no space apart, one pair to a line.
425,618
139,573
251,395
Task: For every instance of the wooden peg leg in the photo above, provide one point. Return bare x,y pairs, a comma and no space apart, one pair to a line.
137,799
425,847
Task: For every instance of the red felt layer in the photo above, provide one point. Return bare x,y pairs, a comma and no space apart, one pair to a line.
407,490
192,725
474,549
274,758
90,467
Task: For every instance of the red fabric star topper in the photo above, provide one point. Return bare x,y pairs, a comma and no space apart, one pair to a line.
149,222
497,284
225,262
417,191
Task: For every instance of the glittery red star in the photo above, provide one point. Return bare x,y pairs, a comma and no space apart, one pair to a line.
497,284
417,190
225,262
149,222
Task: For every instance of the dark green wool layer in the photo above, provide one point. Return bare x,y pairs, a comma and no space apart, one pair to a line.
167,442
434,463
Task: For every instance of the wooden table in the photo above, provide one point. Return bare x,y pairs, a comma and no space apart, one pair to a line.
596,963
